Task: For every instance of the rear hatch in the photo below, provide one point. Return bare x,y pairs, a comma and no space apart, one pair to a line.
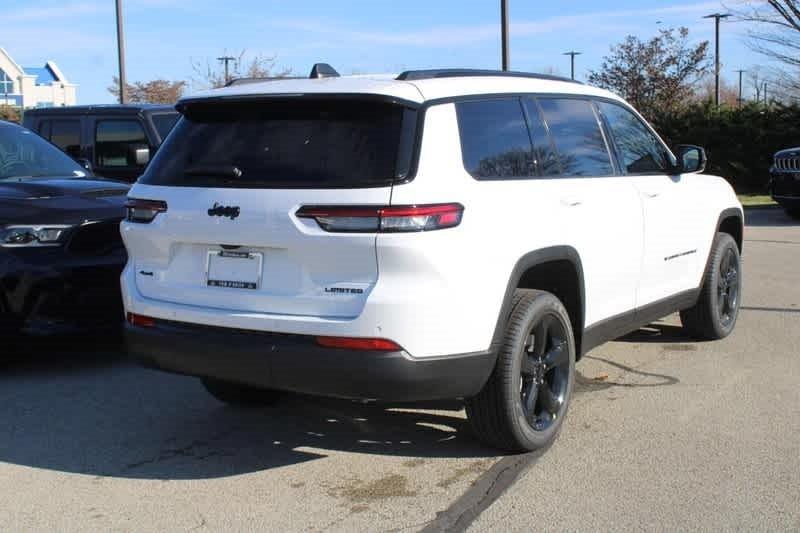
233,175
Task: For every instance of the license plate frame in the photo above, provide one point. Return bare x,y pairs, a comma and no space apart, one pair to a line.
244,276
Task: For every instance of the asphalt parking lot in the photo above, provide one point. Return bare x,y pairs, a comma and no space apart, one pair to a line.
662,434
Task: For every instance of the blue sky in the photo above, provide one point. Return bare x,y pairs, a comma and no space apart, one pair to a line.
163,37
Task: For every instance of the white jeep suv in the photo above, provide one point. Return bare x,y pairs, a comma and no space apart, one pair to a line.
439,234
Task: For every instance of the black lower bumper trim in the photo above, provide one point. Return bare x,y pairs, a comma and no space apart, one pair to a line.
296,363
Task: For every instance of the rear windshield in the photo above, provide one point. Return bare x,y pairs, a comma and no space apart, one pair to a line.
284,143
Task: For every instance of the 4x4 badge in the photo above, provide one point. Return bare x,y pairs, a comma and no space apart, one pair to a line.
230,211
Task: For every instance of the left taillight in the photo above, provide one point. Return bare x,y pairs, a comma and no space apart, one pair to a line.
383,219
141,320
144,211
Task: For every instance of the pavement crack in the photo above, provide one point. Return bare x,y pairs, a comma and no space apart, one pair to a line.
485,491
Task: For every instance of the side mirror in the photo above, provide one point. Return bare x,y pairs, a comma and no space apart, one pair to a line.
85,163
691,159
139,155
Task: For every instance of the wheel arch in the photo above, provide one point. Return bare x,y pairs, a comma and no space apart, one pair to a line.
731,221
556,269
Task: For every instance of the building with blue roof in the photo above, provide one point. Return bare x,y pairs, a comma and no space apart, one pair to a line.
28,87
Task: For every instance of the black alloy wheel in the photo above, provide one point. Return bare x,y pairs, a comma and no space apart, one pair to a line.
728,287
525,400
544,373
714,315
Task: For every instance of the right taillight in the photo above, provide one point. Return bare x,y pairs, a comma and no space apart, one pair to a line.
384,219
144,211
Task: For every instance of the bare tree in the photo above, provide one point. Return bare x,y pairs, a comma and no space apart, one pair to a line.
775,29
153,92
211,74
657,75
728,92
775,33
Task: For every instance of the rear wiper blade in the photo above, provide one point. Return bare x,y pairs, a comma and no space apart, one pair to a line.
225,171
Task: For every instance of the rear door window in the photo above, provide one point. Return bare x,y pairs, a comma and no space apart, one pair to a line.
640,151
285,143
66,134
544,152
576,132
495,143
116,142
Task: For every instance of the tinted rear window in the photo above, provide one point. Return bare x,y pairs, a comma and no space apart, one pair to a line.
494,139
285,143
544,153
576,133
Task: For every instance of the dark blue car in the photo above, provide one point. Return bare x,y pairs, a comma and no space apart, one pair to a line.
60,248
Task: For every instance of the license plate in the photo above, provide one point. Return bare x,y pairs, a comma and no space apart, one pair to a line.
233,270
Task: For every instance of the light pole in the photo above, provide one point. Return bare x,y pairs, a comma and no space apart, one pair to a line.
716,17
123,82
739,100
506,59
572,54
226,60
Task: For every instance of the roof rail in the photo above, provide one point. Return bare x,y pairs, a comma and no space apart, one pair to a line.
319,70
412,75
323,70
244,81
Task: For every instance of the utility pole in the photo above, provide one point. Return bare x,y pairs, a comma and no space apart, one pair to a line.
123,82
739,100
716,17
572,54
226,60
506,59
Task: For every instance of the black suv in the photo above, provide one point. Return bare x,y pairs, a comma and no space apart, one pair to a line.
116,140
784,183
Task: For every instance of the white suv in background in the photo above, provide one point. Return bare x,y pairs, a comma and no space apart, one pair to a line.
439,234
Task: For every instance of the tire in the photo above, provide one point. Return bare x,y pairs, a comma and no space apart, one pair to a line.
793,212
536,362
714,315
240,395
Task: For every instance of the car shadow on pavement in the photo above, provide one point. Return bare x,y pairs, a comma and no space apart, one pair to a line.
658,332
90,411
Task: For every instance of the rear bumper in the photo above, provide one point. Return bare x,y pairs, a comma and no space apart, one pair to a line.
296,363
